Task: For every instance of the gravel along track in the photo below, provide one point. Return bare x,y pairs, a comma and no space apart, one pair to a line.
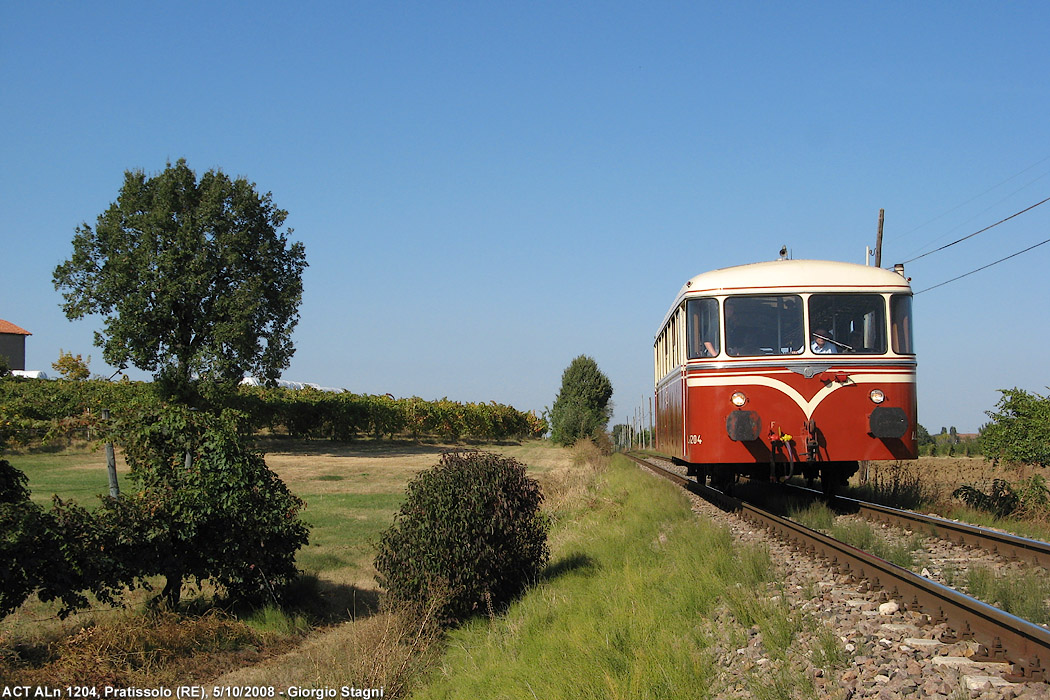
891,653
949,562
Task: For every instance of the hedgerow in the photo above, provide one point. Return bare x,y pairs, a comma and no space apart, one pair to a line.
34,410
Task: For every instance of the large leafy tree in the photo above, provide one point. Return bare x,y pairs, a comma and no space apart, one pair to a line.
193,279
581,408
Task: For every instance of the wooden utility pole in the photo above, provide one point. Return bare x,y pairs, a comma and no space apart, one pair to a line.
878,239
111,461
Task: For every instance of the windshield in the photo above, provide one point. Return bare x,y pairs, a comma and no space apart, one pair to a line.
763,325
847,323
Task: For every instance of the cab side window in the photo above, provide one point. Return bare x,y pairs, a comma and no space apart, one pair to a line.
702,327
900,324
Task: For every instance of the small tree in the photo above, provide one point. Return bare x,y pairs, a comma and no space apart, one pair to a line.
581,408
72,366
207,505
469,533
1020,429
192,277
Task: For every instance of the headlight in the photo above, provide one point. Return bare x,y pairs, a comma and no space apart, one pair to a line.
738,398
877,396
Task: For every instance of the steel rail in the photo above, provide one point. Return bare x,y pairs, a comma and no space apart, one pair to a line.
1002,543
1001,636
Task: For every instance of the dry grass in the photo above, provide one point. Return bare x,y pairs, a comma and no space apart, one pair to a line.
387,650
323,467
948,473
155,649
572,476
935,478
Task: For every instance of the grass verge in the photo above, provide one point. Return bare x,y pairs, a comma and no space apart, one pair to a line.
906,553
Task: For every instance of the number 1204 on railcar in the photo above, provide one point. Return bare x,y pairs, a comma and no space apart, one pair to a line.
789,367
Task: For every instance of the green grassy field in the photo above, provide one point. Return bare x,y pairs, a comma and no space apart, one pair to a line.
79,475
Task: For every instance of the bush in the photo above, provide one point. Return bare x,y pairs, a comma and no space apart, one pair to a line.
1020,429
469,533
47,552
25,541
1000,501
58,553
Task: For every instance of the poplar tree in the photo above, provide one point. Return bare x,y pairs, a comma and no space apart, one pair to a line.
581,408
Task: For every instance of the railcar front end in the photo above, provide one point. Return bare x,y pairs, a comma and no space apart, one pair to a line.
787,367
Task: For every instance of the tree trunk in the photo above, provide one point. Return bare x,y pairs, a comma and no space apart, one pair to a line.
172,592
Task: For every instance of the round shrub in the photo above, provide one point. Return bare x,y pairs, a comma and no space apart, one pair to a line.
469,536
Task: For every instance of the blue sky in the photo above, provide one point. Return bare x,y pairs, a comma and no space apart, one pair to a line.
487,190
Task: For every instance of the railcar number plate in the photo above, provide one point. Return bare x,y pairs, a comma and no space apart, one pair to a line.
694,440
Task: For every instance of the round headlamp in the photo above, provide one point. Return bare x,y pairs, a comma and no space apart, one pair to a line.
738,398
877,396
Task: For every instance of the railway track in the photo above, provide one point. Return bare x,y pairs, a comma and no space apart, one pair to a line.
1004,544
1001,637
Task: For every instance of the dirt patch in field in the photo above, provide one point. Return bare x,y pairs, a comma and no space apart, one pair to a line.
942,475
339,469
379,467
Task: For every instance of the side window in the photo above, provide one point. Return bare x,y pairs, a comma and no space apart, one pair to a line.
847,323
672,336
763,325
900,324
702,327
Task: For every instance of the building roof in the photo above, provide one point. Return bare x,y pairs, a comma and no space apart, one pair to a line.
8,327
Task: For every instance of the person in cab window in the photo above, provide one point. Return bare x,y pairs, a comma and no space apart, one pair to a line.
822,343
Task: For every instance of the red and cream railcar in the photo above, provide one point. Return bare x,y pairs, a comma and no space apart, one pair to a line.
787,367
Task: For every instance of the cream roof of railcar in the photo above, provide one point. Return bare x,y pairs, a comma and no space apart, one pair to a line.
787,276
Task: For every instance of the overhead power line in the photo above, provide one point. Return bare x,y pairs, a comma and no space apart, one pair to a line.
985,267
990,189
949,245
